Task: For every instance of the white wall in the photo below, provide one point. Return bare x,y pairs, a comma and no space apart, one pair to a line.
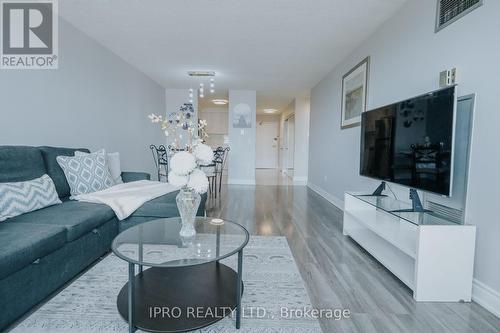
175,98
268,118
301,152
406,57
241,168
94,100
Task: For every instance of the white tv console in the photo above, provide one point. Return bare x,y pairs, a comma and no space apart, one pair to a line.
434,257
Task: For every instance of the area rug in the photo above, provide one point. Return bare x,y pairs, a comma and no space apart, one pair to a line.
272,284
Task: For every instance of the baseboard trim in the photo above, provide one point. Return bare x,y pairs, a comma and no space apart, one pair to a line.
486,296
331,198
299,180
241,181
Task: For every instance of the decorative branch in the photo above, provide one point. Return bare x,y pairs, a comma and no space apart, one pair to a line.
181,122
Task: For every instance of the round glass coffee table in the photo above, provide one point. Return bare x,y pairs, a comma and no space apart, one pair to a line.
185,287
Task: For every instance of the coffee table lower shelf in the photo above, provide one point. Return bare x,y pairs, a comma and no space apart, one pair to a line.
180,299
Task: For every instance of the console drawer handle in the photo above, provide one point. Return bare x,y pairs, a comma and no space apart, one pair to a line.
36,262
95,231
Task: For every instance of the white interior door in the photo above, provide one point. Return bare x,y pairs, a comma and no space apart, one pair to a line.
267,145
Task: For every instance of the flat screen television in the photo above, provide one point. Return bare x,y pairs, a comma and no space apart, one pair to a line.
411,142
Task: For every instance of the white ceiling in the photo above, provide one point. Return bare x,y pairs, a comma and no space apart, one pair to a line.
277,47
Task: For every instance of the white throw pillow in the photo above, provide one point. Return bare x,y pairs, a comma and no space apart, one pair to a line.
113,162
23,197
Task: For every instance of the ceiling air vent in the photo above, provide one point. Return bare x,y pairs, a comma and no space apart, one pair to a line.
449,11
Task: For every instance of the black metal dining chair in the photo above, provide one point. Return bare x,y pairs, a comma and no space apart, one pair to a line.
209,170
215,170
160,157
220,158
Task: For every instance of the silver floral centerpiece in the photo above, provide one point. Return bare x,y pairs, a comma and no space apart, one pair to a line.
185,163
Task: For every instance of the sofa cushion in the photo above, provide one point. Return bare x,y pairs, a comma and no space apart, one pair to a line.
23,243
55,172
78,218
164,206
20,163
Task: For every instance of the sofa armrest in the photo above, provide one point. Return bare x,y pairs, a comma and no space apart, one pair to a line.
128,176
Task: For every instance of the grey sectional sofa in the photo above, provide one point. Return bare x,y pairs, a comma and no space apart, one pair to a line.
40,251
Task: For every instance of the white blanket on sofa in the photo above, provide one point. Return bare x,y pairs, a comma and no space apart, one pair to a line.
126,198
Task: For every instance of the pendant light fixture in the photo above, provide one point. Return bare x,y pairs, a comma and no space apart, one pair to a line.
202,75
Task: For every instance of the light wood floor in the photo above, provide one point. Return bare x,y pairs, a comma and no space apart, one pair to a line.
273,177
338,273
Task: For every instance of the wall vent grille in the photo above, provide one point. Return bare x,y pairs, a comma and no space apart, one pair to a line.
449,11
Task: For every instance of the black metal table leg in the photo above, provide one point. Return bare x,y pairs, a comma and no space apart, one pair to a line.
215,185
238,289
131,300
220,180
141,246
217,239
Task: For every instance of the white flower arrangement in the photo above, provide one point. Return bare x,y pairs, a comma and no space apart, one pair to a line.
184,165
185,170
203,153
198,181
176,180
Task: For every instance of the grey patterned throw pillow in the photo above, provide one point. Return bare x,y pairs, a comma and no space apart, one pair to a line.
86,174
23,197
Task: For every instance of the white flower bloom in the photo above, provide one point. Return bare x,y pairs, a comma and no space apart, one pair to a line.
177,180
154,118
198,181
183,163
203,154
